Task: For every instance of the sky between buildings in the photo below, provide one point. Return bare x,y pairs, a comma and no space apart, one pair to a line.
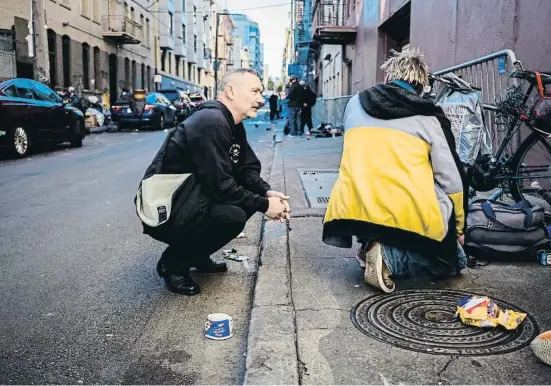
272,22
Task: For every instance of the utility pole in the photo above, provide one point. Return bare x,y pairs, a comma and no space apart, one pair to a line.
31,38
216,61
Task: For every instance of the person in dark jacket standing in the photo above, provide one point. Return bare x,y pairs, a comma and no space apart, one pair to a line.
212,145
274,106
295,104
309,100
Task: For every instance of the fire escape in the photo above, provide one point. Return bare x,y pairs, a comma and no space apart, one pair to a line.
334,22
120,29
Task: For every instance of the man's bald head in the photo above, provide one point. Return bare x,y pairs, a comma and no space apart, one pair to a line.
241,92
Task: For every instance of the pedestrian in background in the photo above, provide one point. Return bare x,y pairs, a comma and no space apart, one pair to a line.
295,104
309,100
274,105
212,146
400,187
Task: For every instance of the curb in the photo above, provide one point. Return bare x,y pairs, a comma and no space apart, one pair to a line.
99,129
271,349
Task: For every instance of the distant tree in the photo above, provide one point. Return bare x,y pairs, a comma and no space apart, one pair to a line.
279,88
270,84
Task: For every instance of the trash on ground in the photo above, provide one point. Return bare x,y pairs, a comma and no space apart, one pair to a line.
241,235
541,346
481,311
219,326
232,254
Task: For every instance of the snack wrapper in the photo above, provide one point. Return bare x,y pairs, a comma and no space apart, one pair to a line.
481,311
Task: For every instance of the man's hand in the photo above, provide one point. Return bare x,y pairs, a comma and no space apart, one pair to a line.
461,239
274,193
276,208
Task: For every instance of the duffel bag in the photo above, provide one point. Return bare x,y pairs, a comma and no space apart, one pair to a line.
498,227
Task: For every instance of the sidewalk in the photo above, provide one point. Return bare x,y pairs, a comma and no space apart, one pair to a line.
302,332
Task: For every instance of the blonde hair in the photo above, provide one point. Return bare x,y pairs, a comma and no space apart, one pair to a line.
409,66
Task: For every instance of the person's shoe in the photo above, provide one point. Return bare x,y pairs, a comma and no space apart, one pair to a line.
308,136
377,273
182,285
210,266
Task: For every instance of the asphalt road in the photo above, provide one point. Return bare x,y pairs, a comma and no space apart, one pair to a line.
80,300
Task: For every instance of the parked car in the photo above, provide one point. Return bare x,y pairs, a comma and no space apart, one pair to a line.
179,100
33,113
156,112
196,99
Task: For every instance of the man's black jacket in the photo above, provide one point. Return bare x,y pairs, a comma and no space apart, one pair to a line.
295,95
211,146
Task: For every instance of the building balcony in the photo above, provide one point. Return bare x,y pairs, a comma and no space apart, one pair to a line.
166,40
329,23
121,29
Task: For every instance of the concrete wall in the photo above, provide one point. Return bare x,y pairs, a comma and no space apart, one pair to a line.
455,31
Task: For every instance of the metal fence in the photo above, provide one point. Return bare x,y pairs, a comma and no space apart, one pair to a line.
330,110
491,74
8,68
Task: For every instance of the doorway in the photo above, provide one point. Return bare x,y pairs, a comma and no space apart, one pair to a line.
113,82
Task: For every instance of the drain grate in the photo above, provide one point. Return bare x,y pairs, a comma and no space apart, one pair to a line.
317,185
424,321
319,171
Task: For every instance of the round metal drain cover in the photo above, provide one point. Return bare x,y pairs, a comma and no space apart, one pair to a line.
423,320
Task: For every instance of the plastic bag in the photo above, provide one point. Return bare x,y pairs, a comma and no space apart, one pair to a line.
481,311
463,107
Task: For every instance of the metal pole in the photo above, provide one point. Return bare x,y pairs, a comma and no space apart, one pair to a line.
216,58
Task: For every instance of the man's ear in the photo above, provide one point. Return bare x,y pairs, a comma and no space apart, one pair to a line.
230,92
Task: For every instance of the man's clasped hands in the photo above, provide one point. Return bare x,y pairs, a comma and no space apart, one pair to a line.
278,208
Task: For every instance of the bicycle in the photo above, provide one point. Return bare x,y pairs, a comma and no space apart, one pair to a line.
513,173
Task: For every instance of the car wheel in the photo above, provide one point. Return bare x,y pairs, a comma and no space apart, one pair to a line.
78,135
161,122
20,142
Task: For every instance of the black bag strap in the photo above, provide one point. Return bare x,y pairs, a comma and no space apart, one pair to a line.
523,205
162,152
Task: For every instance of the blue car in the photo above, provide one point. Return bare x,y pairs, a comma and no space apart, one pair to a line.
155,112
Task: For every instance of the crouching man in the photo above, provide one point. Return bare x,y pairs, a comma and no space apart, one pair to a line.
400,189
212,146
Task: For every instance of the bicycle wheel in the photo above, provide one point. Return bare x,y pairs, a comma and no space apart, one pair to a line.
531,167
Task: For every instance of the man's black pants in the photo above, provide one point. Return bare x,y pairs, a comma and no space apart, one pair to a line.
220,225
306,118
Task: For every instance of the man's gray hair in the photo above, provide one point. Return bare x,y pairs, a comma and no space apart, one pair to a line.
228,75
408,65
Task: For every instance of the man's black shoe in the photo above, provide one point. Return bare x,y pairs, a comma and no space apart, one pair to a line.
210,266
182,285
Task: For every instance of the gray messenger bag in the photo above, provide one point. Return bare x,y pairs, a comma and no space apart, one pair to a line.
506,229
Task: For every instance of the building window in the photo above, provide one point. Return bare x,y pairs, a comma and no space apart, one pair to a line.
96,11
163,60
142,28
66,57
194,15
97,69
85,66
142,85
177,63
132,21
52,55
85,8
195,43
183,34
183,5
171,23
170,62
127,72
147,33
134,74
148,79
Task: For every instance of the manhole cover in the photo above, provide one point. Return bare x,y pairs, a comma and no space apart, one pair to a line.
423,320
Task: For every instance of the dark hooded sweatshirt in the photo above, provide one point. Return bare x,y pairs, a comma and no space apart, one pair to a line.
211,146
400,181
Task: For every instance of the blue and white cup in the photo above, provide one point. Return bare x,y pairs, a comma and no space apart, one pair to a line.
219,326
